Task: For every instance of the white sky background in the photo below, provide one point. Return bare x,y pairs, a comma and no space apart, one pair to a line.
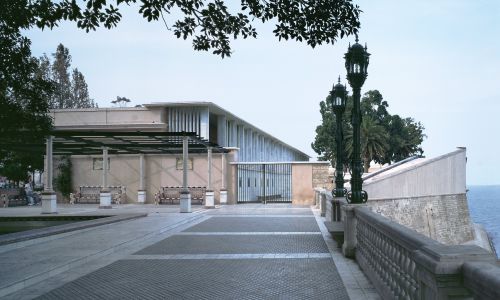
435,61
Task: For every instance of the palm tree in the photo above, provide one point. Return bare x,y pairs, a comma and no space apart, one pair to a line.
374,141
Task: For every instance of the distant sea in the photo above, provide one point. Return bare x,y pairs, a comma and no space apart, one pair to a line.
484,206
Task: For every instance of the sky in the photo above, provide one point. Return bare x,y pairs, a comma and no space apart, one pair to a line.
435,61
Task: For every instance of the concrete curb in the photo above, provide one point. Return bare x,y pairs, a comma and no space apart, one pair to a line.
43,232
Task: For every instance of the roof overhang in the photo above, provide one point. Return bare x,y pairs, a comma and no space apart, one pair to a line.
120,142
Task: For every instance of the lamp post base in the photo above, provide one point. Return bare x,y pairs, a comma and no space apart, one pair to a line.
105,199
209,199
185,202
141,197
49,203
223,197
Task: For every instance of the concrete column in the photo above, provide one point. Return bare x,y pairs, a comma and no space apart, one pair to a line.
49,198
209,198
350,231
105,195
141,193
185,201
223,190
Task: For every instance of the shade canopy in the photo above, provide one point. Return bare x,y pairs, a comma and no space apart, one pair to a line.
121,142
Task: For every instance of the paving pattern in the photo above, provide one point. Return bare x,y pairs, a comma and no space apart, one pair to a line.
208,279
234,244
264,211
257,224
233,256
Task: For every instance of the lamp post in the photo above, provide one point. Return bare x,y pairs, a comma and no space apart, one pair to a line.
356,63
338,101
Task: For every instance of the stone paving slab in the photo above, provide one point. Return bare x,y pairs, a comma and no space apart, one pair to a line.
256,224
234,244
312,278
39,261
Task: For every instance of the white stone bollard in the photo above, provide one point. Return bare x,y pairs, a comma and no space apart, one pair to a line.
223,197
105,199
209,199
141,197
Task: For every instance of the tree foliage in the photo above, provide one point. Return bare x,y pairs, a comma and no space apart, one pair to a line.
121,101
70,91
60,75
210,24
63,180
24,95
385,138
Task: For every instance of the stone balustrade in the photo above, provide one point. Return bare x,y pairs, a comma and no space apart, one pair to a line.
404,264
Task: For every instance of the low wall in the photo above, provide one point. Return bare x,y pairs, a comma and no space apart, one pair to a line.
444,218
404,264
427,195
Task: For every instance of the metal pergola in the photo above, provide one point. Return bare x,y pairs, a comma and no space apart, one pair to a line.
121,142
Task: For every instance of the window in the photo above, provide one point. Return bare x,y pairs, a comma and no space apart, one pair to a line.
179,162
97,163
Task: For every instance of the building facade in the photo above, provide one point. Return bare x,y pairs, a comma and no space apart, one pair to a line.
244,144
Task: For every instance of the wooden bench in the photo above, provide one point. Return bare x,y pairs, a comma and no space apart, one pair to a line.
92,195
12,197
336,229
172,194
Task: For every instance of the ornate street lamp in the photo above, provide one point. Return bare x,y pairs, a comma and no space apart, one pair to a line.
338,97
356,63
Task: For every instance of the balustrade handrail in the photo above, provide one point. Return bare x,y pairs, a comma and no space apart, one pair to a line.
482,279
404,264
404,236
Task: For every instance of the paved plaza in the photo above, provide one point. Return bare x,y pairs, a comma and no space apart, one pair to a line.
249,251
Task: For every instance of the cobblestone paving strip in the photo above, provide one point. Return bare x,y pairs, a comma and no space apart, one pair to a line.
308,278
257,224
235,244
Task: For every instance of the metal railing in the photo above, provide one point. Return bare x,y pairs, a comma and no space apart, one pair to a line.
264,182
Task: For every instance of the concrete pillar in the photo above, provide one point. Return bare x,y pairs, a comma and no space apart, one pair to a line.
105,195
209,196
185,201
223,190
49,198
141,192
350,231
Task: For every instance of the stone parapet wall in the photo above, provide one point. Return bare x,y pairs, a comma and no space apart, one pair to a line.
444,218
320,176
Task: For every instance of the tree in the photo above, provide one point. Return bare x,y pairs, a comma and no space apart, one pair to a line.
406,139
63,181
121,101
384,138
374,142
60,75
24,97
210,24
79,96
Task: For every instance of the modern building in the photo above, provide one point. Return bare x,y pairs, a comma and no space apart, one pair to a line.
144,150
